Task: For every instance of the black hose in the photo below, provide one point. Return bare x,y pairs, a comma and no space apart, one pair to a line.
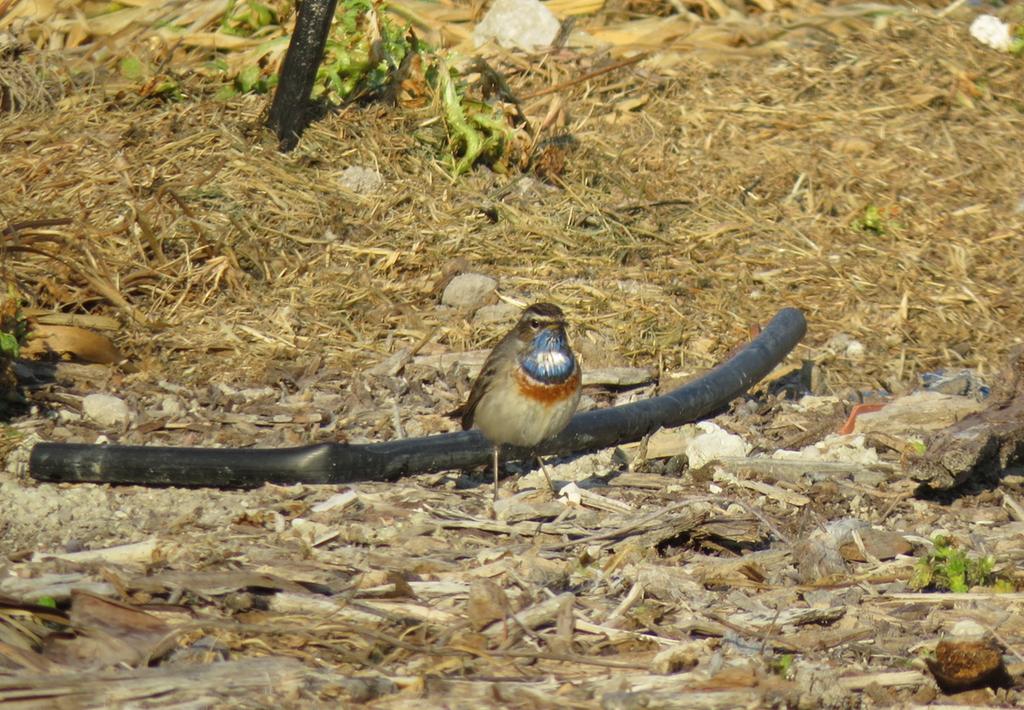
290,109
350,463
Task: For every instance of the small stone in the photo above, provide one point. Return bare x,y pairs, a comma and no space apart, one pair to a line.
106,410
855,350
496,313
360,180
65,416
172,407
680,658
968,628
713,442
469,291
523,24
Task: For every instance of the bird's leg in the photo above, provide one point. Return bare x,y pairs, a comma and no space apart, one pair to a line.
545,470
495,474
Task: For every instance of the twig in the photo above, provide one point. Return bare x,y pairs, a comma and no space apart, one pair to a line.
14,227
586,77
481,652
751,633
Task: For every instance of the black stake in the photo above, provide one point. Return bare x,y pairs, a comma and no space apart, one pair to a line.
290,111
387,461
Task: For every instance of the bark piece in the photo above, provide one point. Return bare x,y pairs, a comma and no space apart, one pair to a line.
982,443
963,665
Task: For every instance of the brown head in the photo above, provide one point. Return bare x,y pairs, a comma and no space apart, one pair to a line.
544,352
537,344
537,318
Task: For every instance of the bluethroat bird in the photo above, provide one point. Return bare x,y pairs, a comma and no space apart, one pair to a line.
529,386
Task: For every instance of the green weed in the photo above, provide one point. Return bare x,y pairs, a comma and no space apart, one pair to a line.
152,84
782,666
369,56
948,568
870,221
247,18
364,51
13,326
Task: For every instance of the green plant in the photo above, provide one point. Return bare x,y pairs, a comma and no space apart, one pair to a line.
870,221
367,56
783,665
364,51
948,568
153,85
13,326
476,130
246,18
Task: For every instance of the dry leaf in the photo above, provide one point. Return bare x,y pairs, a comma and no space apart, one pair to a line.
65,340
108,633
880,544
487,602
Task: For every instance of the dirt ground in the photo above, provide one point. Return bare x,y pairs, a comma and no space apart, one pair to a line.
861,163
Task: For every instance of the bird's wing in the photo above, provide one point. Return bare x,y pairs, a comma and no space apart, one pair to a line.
484,381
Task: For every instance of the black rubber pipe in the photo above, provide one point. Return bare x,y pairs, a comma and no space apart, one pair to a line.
350,463
290,110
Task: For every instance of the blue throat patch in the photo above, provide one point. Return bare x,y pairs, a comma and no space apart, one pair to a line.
549,359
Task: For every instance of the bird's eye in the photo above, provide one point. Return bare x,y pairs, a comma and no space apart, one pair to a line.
534,323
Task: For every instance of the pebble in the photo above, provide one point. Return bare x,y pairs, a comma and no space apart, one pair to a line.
469,291
66,416
172,407
361,180
968,628
496,313
712,442
855,350
106,410
524,24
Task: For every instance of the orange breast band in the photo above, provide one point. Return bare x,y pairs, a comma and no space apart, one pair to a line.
547,394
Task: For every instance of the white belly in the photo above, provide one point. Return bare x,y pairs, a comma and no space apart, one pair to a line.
520,421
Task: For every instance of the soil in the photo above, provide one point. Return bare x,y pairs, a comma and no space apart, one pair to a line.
861,164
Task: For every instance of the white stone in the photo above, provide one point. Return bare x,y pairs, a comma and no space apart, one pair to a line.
360,179
968,628
106,410
992,32
523,24
834,447
855,350
713,442
469,291
172,407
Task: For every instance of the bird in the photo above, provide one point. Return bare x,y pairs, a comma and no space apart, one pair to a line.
529,386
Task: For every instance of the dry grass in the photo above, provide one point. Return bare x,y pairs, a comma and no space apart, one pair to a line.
730,190
728,174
